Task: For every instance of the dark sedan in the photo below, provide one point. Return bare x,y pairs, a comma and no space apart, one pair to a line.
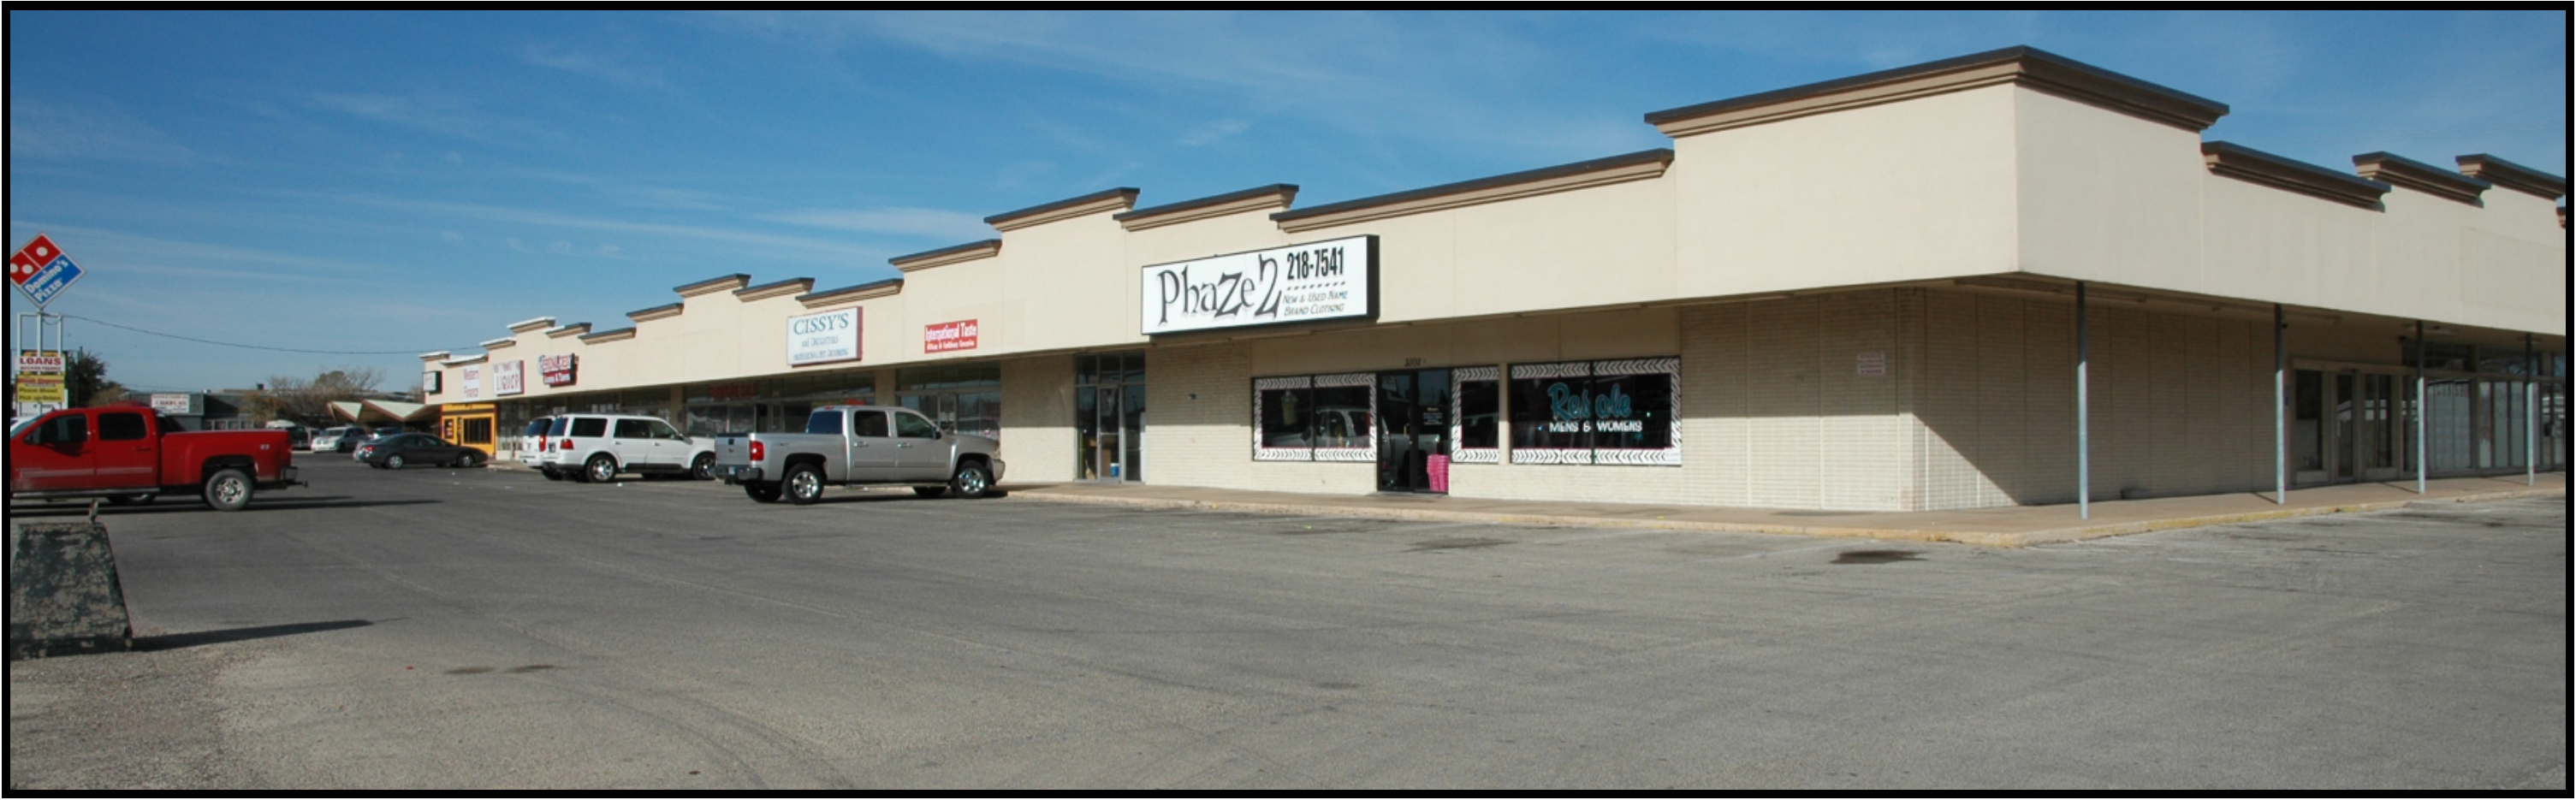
402,450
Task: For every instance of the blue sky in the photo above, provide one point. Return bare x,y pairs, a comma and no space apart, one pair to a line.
399,183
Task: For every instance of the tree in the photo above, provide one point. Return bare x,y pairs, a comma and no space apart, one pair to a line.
85,381
309,401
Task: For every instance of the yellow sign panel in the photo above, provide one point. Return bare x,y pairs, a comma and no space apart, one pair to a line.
40,389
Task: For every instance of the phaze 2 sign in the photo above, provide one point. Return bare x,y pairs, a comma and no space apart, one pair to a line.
1304,283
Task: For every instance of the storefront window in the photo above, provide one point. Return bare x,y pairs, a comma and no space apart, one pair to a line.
1596,412
1316,418
1479,435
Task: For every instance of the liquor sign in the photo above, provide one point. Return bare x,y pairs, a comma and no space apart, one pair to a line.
41,270
40,362
1305,283
825,338
509,378
558,370
949,336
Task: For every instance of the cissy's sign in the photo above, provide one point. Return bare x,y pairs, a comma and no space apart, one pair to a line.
825,338
1304,283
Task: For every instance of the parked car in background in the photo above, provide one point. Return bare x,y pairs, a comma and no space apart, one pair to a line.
409,449
596,448
859,445
532,446
335,440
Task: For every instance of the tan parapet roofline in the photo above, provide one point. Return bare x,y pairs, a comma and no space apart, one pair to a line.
1278,196
657,312
865,291
575,329
2256,166
2027,67
713,285
440,355
1568,177
1112,200
499,343
466,360
970,251
617,335
2395,170
2514,176
791,286
532,326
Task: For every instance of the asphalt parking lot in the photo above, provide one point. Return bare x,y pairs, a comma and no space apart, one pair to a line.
487,629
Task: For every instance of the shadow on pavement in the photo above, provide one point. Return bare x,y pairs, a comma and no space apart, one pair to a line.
191,505
176,641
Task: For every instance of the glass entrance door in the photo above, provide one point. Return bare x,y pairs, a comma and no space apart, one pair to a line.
1109,417
1413,431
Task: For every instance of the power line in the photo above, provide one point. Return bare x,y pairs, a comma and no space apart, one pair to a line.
245,346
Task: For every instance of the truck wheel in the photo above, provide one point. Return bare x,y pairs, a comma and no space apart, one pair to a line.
804,484
601,469
761,492
972,481
228,489
703,469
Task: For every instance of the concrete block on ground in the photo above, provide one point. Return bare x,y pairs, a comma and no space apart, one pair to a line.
64,597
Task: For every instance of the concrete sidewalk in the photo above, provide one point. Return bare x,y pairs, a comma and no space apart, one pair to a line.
1992,527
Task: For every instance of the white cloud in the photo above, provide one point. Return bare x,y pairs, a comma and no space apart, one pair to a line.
926,223
807,248
41,129
599,66
443,115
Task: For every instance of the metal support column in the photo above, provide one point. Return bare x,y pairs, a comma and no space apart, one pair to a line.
2423,410
2530,412
2083,410
2280,408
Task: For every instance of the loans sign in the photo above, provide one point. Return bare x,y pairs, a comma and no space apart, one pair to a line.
825,338
1304,283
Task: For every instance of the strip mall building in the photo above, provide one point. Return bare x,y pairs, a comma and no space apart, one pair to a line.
1858,295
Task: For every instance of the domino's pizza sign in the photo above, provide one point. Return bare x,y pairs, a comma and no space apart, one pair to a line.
41,270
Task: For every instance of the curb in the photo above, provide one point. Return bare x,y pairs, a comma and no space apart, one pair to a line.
1976,538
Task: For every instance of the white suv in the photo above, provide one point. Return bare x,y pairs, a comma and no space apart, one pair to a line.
596,448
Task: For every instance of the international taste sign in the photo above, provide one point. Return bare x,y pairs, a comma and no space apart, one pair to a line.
826,338
949,337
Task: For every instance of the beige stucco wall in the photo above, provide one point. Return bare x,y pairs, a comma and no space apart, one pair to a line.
1866,213
1880,194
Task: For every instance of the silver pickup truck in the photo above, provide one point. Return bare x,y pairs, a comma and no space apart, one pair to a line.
859,445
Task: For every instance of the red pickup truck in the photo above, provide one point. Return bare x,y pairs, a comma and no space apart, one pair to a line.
132,455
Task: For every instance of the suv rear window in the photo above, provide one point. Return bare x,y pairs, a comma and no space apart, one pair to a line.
557,427
538,427
590,427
